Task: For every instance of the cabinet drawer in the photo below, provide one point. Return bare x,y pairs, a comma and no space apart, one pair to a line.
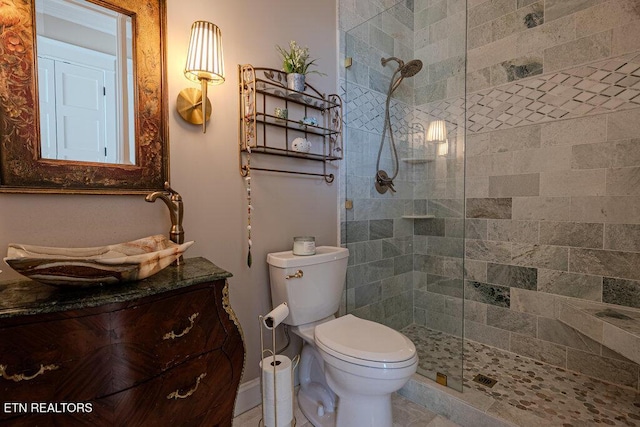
153,337
56,360
195,393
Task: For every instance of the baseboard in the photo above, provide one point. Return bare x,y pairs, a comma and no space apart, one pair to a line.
249,396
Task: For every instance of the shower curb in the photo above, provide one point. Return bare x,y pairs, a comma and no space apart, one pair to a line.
448,403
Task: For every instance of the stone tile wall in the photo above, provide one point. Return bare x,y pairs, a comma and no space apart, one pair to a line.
541,202
553,167
380,241
393,267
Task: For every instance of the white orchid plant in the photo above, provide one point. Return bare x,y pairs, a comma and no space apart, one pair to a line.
296,59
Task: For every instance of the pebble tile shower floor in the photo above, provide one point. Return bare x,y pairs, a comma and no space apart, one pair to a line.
528,392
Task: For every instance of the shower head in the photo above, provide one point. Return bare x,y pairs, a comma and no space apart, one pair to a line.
411,68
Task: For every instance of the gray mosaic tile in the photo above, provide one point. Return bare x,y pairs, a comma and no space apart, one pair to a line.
541,256
454,227
354,231
503,318
583,50
543,351
626,153
612,370
513,231
533,393
487,293
514,185
396,285
533,302
555,9
512,276
626,39
369,294
475,270
379,270
476,229
605,263
570,284
557,332
605,17
621,292
445,246
516,69
622,237
488,11
445,285
402,264
543,208
397,246
483,250
446,208
576,234
495,208
431,227
380,229
623,181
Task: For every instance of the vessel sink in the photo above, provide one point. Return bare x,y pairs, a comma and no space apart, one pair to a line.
77,267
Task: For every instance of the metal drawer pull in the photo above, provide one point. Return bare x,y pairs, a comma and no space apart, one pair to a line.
298,275
22,377
172,335
176,394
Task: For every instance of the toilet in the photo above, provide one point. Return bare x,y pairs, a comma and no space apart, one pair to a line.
349,366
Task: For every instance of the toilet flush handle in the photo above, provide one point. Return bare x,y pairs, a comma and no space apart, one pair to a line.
298,275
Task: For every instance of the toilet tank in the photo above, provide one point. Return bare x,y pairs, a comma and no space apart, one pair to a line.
317,292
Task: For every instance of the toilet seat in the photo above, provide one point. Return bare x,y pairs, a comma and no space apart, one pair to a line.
365,343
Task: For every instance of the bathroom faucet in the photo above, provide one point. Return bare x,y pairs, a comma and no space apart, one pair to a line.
173,200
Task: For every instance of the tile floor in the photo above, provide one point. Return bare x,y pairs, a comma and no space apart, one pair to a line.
405,414
528,392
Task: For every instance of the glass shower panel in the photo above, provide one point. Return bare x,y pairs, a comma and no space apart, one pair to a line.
405,228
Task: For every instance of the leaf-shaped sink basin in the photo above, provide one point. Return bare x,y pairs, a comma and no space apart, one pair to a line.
74,267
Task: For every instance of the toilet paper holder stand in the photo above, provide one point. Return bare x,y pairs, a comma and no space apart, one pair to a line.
270,321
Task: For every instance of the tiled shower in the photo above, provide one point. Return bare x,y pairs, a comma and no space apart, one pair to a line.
537,203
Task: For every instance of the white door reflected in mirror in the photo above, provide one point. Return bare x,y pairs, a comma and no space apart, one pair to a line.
85,82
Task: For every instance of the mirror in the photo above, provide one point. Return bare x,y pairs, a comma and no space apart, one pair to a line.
55,123
85,82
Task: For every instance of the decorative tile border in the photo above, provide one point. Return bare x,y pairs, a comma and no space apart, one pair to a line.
600,87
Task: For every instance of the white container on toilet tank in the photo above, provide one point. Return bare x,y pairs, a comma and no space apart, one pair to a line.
311,285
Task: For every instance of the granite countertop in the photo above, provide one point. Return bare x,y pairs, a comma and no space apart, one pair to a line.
26,297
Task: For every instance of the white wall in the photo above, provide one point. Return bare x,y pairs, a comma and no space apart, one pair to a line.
204,168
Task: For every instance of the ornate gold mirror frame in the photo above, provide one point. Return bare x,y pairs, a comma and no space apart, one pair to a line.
22,170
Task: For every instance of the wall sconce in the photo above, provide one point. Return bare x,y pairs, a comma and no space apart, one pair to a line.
205,65
437,132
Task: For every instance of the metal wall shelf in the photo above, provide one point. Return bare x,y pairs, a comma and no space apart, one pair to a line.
262,132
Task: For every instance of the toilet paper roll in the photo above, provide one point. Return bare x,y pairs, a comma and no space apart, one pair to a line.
276,316
277,400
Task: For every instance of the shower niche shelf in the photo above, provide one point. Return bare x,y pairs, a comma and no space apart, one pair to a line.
271,118
418,160
418,216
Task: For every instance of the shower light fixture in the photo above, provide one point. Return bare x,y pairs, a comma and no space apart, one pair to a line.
205,65
437,132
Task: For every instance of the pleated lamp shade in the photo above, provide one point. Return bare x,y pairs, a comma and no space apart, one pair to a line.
437,131
205,60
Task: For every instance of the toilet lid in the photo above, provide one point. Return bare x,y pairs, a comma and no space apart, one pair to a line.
365,341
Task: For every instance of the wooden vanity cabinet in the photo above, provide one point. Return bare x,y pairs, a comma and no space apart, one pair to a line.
167,355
